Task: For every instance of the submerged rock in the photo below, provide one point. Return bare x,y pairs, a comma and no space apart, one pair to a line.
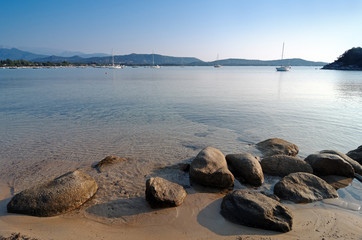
330,164
108,161
246,168
209,168
256,210
282,165
163,193
303,188
356,166
276,146
356,154
55,197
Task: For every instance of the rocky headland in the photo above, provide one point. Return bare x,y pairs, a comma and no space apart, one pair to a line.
349,60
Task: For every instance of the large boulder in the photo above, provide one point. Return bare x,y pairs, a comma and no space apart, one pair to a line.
356,154
282,165
55,197
246,168
209,168
256,210
163,193
330,164
304,188
276,146
356,166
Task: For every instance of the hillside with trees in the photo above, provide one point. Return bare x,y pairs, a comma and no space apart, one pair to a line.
349,60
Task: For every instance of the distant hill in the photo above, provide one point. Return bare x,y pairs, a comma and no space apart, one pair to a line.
246,62
349,60
146,59
16,54
143,59
57,59
80,54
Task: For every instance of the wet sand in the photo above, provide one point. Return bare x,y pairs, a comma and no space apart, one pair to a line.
119,209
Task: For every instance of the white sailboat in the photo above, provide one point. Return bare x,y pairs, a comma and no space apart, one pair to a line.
113,65
217,65
153,61
283,68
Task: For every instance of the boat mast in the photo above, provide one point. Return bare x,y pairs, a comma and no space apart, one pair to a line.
112,58
153,58
283,51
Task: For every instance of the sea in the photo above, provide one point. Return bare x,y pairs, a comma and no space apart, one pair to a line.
164,116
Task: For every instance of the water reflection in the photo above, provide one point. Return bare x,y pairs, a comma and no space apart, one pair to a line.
349,84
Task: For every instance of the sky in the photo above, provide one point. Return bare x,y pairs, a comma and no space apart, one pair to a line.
316,30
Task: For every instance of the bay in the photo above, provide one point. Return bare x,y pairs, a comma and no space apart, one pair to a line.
56,120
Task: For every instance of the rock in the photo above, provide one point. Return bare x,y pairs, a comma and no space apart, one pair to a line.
356,166
209,168
108,161
349,60
55,197
282,165
163,193
330,164
246,168
276,146
256,210
356,154
303,188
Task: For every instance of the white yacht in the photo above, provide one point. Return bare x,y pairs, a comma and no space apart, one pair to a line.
153,61
283,68
113,65
217,65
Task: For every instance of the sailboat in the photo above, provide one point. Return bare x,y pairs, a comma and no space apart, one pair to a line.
153,61
113,65
283,68
217,65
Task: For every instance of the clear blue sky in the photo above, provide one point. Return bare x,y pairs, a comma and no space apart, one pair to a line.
254,29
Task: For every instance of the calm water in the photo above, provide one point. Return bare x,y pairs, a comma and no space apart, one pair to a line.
168,114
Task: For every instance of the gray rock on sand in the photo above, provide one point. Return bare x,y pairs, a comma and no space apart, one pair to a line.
276,146
282,165
163,193
246,168
304,188
256,210
356,166
209,168
356,154
55,197
330,164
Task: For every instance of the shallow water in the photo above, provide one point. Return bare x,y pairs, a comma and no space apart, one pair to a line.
57,119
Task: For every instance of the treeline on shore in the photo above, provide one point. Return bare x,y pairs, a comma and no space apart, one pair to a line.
24,63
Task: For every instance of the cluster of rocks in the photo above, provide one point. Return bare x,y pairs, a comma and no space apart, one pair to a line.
300,182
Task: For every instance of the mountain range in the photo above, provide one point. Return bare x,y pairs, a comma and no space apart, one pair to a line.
145,59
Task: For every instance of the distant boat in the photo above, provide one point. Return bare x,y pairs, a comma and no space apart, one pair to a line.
217,65
153,61
283,68
113,65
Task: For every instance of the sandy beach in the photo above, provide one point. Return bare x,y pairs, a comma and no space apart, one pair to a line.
119,211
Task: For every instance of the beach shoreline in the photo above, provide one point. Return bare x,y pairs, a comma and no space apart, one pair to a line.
130,217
